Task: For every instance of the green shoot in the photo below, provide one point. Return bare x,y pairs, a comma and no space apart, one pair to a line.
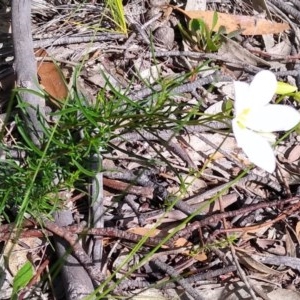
116,10
201,37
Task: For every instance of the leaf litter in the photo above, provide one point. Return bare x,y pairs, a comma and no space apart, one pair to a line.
190,181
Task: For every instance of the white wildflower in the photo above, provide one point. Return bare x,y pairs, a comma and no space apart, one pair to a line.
255,119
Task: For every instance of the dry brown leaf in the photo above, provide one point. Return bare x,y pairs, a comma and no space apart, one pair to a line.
248,24
293,154
149,294
232,51
50,78
249,261
249,233
290,245
280,294
297,230
16,253
151,232
154,232
201,256
265,243
182,242
192,183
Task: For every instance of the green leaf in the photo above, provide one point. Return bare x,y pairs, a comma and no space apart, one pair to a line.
222,30
82,169
232,34
284,88
215,20
227,106
211,46
23,276
186,35
195,25
296,96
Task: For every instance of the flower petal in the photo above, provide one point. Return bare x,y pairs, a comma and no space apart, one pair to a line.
241,99
273,117
255,147
262,88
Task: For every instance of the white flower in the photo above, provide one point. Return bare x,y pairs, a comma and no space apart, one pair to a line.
255,119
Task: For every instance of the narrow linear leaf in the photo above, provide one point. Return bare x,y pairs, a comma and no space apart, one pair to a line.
23,276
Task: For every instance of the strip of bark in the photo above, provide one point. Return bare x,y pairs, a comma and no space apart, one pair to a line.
26,69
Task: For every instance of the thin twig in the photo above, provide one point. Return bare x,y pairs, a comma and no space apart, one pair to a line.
78,251
194,279
196,199
165,137
242,274
67,40
129,188
186,232
184,88
176,276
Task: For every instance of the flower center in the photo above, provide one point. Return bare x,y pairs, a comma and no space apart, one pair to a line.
242,118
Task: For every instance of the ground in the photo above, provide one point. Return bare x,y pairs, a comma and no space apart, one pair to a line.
129,162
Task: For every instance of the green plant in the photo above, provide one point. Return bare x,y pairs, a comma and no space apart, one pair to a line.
201,37
22,278
32,185
116,10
